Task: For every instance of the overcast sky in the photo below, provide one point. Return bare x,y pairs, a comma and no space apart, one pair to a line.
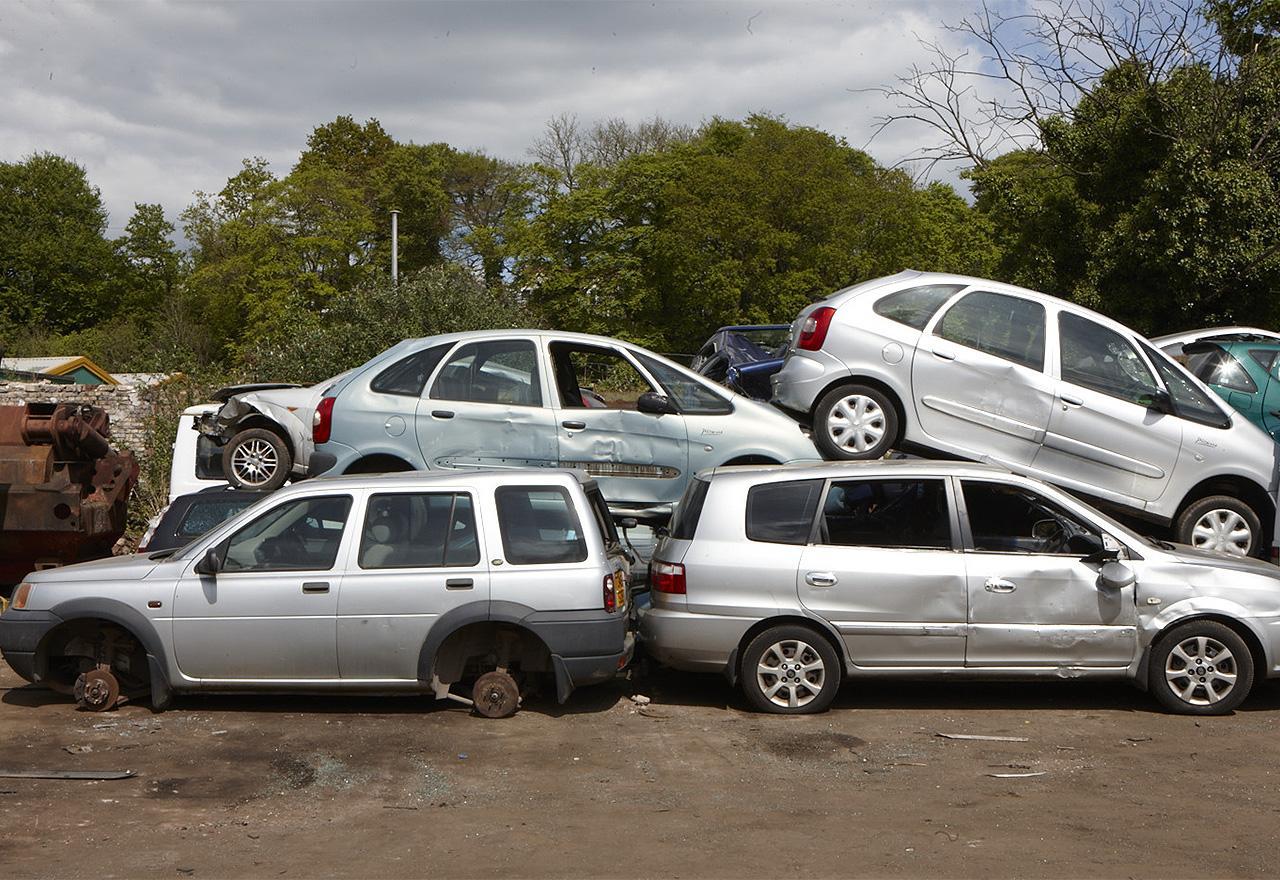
158,99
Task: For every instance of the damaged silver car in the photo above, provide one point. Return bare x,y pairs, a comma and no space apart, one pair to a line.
793,580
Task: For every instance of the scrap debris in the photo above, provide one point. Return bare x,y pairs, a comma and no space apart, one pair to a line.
1017,775
66,774
982,738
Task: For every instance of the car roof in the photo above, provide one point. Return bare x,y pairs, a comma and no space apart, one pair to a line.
897,467
478,477
1211,333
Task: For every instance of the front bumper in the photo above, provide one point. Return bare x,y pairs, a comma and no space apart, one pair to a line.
21,633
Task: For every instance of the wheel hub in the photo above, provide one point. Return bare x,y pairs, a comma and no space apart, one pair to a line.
1201,671
791,673
856,423
1223,530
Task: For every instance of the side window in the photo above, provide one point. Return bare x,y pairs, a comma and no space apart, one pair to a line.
301,535
887,513
539,525
1189,401
419,530
1010,519
916,305
1221,368
782,513
690,395
591,376
1096,357
501,371
689,510
1007,327
408,375
1265,359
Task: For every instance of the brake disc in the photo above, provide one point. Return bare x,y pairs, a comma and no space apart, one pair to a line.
97,690
496,695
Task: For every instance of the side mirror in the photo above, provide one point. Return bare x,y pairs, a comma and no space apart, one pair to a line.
1115,575
1158,400
210,563
655,404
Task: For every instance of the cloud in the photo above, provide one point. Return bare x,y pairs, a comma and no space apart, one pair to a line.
158,100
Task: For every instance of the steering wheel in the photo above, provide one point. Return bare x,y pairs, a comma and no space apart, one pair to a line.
286,548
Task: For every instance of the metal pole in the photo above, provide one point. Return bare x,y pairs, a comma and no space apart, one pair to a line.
395,247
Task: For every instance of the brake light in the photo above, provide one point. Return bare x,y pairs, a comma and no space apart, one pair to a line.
667,577
322,421
814,331
610,598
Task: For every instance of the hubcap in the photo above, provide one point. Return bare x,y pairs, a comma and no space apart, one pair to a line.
1201,671
791,673
1224,531
254,462
856,423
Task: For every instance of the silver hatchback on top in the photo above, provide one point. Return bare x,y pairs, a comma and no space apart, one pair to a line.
991,372
790,580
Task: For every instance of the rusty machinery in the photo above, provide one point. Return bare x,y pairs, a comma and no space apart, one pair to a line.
63,491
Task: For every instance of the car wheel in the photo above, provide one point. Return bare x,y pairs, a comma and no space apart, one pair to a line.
1221,523
790,670
1200,668
256,459
854,423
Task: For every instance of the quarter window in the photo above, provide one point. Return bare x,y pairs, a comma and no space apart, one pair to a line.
500,371
689,510
1221,368
419,530
688,394
1189,401
887,513
1007,327
782,513
301,535
539,525
1097,357
916,305
1010,519
409,375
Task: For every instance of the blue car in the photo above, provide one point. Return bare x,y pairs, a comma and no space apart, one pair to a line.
744,357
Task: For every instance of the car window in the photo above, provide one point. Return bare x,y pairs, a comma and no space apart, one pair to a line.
887,513
782,513
596,377
499,371
419,530
1007,327
1097,357
604,519
915,305
1188,400
1219,367
301,535
1010,519
539,525
408,375
688,394
1266,360
203,515
689,510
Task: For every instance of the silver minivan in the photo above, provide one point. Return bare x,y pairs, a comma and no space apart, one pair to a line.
408,583
991,372
792,580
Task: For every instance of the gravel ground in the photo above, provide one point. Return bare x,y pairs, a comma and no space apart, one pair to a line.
692,785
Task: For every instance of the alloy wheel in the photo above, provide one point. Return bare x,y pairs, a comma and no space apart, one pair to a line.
791,673
1201,670
255,462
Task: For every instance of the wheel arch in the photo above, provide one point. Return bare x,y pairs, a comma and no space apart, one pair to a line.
1251,638
79,612
1235,485
266,423
379,463
821,627
880,385
471,618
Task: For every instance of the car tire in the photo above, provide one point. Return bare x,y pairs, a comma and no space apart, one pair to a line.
854,423
1217,523
771,684
256,459
1183,676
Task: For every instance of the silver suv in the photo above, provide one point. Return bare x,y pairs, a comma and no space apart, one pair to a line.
991,372
407,583
789,580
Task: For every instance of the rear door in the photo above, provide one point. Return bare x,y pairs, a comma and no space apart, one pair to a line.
270,613
418,557
885,570
979,378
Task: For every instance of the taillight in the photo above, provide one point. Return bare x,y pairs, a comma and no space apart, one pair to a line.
814,331
322,421
610,597
666,577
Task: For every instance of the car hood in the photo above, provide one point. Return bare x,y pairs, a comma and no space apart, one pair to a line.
1189,555
133,567
779,427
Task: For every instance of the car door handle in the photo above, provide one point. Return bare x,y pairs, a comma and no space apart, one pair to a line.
1072,401
441,414
459,584
315,587
821,579
944,354
1000,585
574,424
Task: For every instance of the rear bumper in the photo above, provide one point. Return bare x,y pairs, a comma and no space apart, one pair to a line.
20,635
693,642
587,647
802,378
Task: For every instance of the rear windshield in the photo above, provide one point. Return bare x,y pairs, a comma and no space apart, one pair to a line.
539,525
204,515
689,510
782,513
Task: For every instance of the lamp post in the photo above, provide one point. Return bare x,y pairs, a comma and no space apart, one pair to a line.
395,247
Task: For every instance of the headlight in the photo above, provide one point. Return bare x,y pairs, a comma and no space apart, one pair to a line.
20,595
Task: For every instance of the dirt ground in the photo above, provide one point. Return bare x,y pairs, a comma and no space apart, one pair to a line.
691,786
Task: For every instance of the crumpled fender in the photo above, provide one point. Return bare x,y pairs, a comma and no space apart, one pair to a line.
1205,606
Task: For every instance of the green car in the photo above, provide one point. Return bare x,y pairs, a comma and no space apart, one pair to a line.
1244,374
